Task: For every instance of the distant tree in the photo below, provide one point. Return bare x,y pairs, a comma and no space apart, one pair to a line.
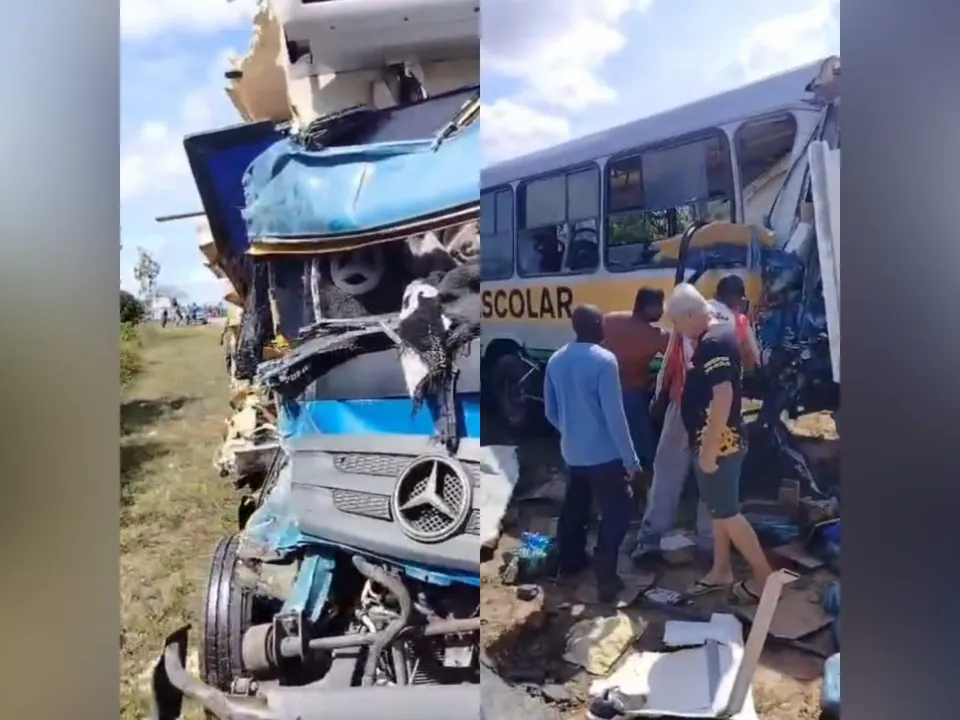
146,273
131,309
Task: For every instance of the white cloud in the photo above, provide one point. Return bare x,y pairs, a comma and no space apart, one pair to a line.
511,128
196,110
146,18
556,47
553,53
791,40
155,161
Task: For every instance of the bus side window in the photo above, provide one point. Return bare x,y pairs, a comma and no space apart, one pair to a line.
496,234
658,193
558,232
764,149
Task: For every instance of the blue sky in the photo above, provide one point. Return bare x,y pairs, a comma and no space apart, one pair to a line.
556,69
173,54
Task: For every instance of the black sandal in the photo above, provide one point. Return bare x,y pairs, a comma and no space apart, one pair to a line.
742,595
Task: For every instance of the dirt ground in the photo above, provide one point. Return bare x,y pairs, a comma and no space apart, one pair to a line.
174,507
524,640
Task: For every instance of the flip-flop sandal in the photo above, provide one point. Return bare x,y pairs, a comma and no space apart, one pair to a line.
742,595
700,588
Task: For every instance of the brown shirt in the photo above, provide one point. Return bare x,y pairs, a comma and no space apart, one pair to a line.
635,343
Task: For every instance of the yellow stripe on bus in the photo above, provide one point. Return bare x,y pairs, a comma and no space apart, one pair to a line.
553,302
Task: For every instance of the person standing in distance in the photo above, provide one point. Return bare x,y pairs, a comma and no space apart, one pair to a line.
583,401
710,409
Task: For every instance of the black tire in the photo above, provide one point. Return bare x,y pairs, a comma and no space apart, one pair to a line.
228,613
512,382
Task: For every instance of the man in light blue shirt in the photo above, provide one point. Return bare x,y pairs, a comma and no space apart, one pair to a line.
583,400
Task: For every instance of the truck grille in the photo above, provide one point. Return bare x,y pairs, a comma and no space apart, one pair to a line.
362,503
377,506
385,465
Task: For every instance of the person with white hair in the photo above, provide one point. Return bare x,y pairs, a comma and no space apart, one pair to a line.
672,459
711,413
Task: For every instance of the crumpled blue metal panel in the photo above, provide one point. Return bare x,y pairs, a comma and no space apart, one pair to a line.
297,195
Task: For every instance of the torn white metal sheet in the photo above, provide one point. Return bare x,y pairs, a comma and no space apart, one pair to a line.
683,634
825,185
709,681
693,682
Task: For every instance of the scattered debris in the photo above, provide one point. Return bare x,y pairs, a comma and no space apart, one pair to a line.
633,584
526,593
677,549
595,644
486,660
773,530
681,682
536,558
814,512
711,679
525,675
798,615
250,436
797,554
663,596
656,591
830,602
556,693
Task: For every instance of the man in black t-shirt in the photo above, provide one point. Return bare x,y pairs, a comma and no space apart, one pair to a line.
710,408
716,361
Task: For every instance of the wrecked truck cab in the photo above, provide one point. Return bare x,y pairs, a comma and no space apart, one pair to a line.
353,584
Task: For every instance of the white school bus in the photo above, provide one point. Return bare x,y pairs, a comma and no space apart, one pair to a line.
592,220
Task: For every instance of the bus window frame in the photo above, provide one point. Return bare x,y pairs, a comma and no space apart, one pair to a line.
494,191
767,117
713,132
520,196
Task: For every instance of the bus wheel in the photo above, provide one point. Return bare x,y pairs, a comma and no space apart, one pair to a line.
511,381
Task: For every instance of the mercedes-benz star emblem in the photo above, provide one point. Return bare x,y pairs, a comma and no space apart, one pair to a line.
432,499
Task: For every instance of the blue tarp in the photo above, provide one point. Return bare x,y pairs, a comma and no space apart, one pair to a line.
293,194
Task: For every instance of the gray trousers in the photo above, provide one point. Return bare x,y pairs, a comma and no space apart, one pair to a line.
670,468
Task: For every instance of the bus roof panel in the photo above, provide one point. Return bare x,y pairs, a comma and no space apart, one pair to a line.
754,99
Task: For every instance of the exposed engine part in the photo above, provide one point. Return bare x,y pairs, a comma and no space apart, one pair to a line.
389,633
426,660
411,633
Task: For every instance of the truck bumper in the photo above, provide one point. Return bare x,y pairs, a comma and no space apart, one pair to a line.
172,683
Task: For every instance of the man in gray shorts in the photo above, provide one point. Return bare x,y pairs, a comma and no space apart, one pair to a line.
710,408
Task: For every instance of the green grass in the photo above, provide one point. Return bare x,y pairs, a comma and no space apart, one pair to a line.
174,507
